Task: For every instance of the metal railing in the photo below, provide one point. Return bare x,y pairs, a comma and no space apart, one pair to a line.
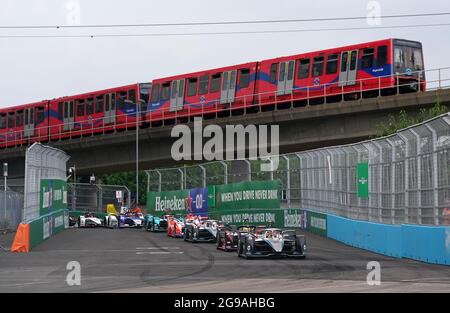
408,177
95,197
436,79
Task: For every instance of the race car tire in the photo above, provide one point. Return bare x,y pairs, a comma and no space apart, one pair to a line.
79,222
240,249
152,228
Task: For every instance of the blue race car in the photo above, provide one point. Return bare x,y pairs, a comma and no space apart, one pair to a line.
156,223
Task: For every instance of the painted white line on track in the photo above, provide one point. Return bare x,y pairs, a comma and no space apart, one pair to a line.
160,252
156,248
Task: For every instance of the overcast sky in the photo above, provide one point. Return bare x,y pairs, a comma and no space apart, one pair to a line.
34,69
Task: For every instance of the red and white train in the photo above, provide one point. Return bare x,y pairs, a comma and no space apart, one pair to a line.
379,68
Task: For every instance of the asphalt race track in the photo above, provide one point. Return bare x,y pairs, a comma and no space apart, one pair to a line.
132,260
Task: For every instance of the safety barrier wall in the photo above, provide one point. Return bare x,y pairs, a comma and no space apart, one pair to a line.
423,243
32,233
426,243
380,238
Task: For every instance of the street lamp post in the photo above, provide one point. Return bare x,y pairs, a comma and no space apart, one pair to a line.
74,187
5,175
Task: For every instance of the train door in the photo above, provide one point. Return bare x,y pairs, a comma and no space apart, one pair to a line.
349,68
68,117
228,87
29,123
285,78
177,95
110,108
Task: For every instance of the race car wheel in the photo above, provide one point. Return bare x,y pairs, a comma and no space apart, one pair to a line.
240,249
79,222
152,228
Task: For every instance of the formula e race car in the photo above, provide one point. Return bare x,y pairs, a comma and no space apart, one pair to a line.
89,220
131,219
268,242
201,229
227,237
156,223
111,220
175,227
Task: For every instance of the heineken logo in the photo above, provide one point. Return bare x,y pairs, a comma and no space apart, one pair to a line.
172,204
363,180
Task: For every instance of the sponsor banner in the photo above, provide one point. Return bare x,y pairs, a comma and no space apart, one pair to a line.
47,227
248,195
198,201
53,196
317,223
363,180
273,218
174,202
295,218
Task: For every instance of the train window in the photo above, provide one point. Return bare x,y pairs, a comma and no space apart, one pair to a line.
174,89
192,87
80,107
303,68
60,108
113,102
317,69
155,93
3,121
353,60
367,58
233,79
99,105
382,56
122,96
225,81
344,62
273,73
90,106
244,79
282,72
181,88
66,110
215,83
203,85
40,116
332,63
165,92
19,118
11,120
132,95
290,74
26,117
107,102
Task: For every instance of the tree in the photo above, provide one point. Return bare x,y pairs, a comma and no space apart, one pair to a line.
403,120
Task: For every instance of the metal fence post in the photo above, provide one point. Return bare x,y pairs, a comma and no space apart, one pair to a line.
435,175
203,175
288,181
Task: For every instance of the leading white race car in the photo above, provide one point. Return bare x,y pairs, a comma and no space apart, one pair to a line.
89,220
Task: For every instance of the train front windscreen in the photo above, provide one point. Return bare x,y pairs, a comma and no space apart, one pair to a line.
408,58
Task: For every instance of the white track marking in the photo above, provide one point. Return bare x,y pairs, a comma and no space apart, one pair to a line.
160,252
